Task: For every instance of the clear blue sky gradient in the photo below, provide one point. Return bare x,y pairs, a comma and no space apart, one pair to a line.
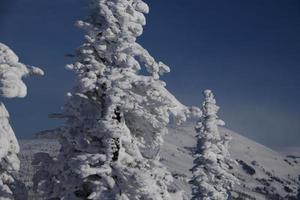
247,52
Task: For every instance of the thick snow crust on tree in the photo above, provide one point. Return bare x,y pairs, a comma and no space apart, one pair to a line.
211,177
9,148
116,116
11,85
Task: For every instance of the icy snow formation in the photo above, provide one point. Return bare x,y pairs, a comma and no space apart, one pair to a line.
115,116
11,85
212,180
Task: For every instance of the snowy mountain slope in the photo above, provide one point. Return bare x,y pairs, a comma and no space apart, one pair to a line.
262,172
274,173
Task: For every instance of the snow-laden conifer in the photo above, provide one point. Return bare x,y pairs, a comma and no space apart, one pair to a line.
11,85
212,179
116,115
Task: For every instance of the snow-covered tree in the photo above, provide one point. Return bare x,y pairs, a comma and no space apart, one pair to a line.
212,179
116,115
11,85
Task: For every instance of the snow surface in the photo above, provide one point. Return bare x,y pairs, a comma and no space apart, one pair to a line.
271,168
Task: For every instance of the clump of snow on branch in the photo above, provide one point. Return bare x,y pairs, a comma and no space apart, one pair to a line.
115,116
212,179
11,85
12,72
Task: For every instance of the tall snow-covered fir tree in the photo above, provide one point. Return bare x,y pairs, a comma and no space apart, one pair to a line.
211,177
11,85
116,115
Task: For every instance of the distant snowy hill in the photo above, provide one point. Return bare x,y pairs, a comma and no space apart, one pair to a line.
262,172
290,151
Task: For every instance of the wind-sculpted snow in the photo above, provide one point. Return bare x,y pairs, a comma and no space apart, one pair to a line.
116,116
12,72
11,85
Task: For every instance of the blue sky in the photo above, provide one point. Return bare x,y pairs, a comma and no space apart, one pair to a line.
247,52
